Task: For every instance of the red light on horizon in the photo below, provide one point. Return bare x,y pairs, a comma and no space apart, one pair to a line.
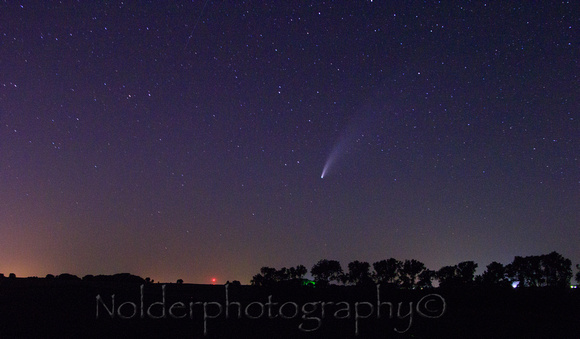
213,280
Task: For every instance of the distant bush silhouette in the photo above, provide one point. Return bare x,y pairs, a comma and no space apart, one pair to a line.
12,276
67,276
119,278
270,276
89,277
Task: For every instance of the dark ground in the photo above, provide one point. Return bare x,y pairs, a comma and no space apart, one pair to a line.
42,308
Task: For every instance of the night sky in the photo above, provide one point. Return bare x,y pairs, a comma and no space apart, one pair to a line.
187,139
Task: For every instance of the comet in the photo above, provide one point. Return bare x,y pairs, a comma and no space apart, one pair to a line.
338,149
330,161
350,139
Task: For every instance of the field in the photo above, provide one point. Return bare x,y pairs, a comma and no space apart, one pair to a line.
34,307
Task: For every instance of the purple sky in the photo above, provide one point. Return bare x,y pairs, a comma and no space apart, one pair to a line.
187,139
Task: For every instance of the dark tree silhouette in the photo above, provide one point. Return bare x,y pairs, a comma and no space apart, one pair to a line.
67,276
297,273
179,281
462,274
118,277
266,277
536,278
578,274
269,276
447,276
326,271
258,280
557,270
466,272
517,271
541,270
358,273
386,271
409,273
495,274
426,279
282,274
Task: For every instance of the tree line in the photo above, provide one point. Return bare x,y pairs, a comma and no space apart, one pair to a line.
548,270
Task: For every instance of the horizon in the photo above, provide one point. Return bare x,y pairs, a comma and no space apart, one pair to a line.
479,270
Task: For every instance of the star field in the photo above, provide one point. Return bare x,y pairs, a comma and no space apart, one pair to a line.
187,139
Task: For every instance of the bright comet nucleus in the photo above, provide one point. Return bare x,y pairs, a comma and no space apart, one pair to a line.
323,171
328,163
